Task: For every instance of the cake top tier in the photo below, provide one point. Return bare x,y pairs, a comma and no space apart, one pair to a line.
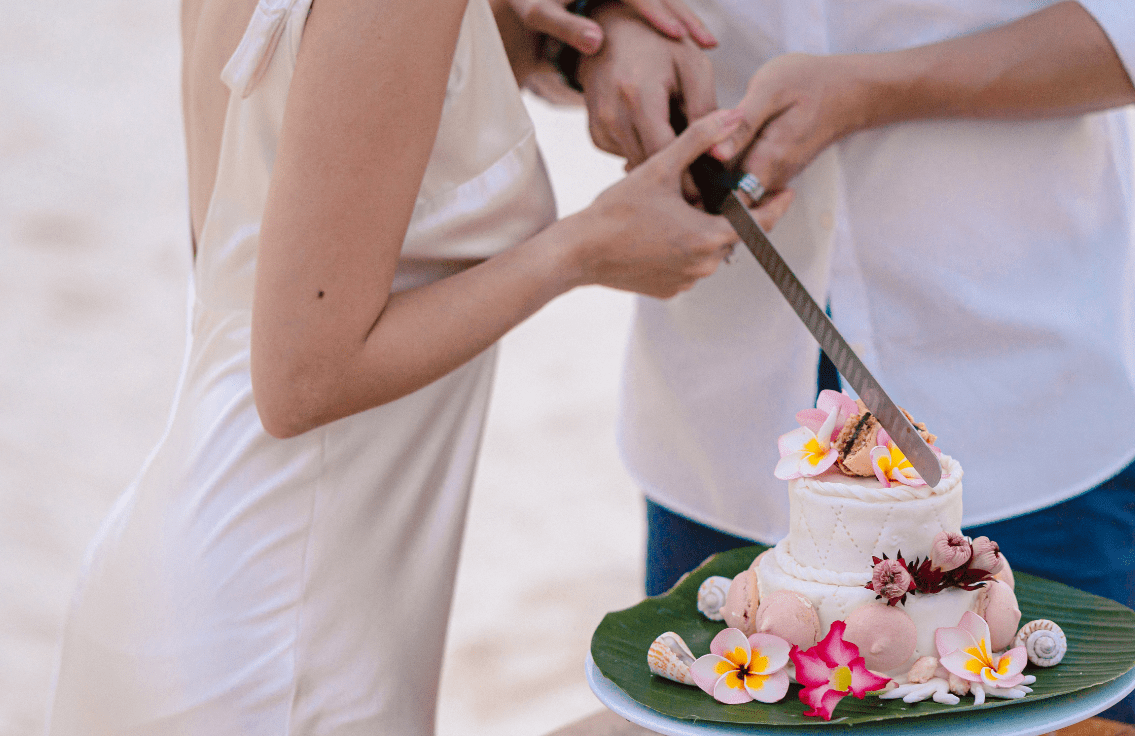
841,436
834,483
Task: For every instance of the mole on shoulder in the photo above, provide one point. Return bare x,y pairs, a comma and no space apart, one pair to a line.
321,294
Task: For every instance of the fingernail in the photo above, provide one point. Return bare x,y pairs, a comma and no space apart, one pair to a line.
723,151
705,37
592,40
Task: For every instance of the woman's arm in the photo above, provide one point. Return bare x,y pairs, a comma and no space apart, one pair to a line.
328,338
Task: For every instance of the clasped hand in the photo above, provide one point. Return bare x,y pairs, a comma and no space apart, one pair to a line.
794,107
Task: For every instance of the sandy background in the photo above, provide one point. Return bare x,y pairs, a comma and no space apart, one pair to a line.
93,260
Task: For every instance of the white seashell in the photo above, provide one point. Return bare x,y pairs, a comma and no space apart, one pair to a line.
669,657
1044,642
711,596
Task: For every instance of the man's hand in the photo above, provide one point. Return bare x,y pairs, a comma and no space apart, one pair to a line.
795,107
628,85
1052,63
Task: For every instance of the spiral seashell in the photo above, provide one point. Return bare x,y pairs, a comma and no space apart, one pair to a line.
711,596
1044,642
669,657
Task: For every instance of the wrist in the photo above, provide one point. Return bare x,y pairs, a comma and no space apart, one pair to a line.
880,86
558,251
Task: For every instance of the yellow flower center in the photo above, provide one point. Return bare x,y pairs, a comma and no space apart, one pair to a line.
979,657
740,670
739,657
755,682
815,453
841,679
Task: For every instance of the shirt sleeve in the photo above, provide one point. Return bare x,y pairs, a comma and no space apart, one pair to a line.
1117,18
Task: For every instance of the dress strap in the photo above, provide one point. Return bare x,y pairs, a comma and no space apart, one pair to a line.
248,63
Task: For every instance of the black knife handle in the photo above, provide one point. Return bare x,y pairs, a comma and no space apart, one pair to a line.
713,180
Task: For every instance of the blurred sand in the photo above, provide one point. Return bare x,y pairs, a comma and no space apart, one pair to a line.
93,261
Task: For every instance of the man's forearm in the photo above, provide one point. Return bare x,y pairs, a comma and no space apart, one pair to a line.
1055,62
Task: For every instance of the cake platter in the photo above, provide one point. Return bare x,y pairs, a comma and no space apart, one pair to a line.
1040,717
1098,670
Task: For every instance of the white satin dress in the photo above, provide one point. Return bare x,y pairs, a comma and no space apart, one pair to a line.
255,586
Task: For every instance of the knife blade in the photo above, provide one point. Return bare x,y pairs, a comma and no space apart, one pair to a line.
718,187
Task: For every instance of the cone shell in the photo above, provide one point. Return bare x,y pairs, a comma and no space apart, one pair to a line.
711,596
1044,642
669,657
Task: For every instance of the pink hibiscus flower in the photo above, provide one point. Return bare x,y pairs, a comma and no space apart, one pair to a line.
832,670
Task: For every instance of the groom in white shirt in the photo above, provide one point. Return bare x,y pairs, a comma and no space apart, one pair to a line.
963,176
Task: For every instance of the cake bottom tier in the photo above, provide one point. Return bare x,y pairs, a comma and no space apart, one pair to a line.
837,602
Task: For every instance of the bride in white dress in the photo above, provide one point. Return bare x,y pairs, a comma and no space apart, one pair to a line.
370,214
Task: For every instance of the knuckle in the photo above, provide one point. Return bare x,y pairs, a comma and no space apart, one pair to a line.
630,93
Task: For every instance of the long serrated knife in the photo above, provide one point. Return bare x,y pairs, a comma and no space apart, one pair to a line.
718,187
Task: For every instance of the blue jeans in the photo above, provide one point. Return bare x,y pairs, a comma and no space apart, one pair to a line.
1087,542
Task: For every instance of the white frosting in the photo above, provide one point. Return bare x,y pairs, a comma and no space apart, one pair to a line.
838,523
836,602
815,574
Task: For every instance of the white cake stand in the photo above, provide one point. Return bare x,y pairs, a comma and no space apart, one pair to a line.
1037,718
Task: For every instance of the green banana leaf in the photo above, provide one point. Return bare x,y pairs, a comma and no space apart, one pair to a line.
1100,632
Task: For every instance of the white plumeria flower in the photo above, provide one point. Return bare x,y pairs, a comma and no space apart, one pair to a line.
740,669
966,652
805,453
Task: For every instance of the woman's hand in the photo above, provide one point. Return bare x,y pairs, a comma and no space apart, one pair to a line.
641,235
551,18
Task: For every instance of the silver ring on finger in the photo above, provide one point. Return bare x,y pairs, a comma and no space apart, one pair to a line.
752,188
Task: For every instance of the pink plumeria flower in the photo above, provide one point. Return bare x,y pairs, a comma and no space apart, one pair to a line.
805,453
739,669
891,464
826,402
966,652
832,670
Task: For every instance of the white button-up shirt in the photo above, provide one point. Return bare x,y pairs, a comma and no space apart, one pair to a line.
983,270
